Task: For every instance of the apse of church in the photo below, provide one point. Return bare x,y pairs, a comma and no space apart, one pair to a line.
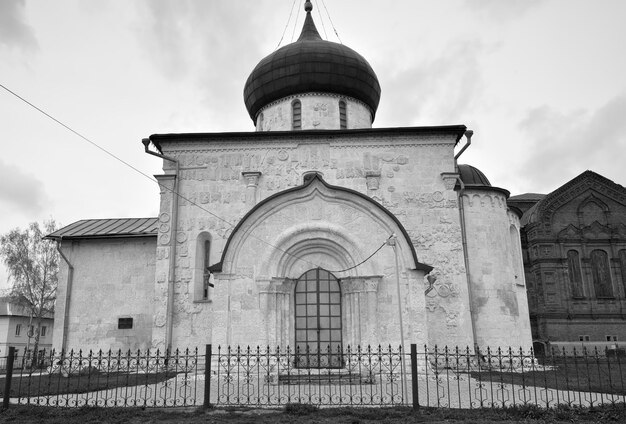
317,229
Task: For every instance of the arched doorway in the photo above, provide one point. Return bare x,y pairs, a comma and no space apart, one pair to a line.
318,320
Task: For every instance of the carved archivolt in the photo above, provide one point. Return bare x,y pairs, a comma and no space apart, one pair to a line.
586,181
316,225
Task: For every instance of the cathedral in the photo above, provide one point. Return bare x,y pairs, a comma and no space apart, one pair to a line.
314,230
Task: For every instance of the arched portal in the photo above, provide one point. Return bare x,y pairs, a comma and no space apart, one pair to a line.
318,320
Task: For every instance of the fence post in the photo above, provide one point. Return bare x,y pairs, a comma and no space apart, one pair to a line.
414,390
207,375
7,381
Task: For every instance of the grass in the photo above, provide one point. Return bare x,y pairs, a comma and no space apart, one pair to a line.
602,375
306,414
55,384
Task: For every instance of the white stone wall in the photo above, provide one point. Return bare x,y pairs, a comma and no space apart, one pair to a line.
400,171
320,111
499,298
113,279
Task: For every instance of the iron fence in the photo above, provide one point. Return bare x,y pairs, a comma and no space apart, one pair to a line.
105,379
360,376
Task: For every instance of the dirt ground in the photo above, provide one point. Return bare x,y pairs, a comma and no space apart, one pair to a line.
307,414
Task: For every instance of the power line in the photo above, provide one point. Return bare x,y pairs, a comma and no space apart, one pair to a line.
285,30
295,23
319,12
331,22
141,172
76,133
366,259
167,188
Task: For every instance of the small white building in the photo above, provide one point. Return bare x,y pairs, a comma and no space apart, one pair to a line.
17,330
316,229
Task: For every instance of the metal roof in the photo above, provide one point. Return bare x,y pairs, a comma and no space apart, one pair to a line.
107,228
528,197
470,175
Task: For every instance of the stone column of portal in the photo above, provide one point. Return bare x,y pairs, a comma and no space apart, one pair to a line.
267,303
360,309
275,297
285,333
252,182
350,290
370,331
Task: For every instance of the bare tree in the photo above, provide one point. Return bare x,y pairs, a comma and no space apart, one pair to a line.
32,265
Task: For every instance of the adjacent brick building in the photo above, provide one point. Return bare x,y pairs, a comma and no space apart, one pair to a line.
574,247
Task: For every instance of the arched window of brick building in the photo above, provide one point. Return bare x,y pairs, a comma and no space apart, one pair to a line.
622,265
516,255
575,276
296,115
601,273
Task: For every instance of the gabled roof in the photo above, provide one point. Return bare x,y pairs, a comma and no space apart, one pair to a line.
552,201
107,228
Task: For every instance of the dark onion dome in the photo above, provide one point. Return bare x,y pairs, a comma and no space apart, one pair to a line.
311,65
473,176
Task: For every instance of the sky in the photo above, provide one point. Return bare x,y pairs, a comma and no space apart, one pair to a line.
541,82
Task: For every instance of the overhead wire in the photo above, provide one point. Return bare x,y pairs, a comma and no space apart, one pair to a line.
322,22
176,193
331,22
286,26
143,173
366,259
295,25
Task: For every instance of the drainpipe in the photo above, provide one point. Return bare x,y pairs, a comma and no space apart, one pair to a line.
174,232
68,296
468,136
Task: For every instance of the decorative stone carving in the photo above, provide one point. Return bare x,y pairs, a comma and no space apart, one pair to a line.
164,239
252,178
449,179
372,179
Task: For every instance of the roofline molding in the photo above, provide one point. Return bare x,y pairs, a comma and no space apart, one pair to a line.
158,139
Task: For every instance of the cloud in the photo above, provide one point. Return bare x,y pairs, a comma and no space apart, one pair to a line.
440,89
562,146
14,31
502,10
212,45
20,191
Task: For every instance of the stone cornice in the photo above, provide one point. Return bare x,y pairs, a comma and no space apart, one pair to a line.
314,136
